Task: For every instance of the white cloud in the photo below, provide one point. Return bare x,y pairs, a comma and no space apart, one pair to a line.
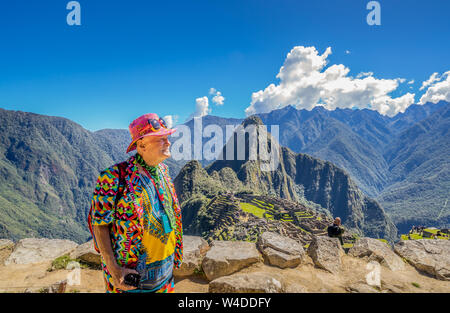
171,120
439,89
218,99
389,106
364,74
305,84
347,51
430,81
201,107
411,82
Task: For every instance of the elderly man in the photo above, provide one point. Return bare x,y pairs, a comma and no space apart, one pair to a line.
336,230
135,216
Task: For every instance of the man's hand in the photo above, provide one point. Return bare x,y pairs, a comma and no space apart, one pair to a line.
104,244
118,276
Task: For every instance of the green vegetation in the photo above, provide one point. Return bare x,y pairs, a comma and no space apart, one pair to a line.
269,211
419,167
420,235
61,263
199,271
48,170
249,208
415,284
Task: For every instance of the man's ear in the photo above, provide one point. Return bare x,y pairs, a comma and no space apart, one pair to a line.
140,144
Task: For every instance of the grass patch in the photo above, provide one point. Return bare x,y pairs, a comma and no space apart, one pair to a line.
199,271
415,285
250,208
262,204
62,262
416,236
412,236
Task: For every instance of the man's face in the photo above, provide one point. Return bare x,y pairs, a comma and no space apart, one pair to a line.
154,149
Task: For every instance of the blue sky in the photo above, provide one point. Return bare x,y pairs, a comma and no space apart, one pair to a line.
133,57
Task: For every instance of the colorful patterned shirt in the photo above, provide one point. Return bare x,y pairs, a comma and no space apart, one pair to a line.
136,233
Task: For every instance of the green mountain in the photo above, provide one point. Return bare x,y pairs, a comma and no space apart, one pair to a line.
48,167
400,161
419,185
355,140
299,178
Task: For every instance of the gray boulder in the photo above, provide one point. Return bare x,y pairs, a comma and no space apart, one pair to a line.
87,253
36,250
279,250
375,250
227,257
194,249
257,282
431,256
326,253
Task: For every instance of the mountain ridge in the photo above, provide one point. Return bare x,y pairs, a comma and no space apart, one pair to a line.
324,184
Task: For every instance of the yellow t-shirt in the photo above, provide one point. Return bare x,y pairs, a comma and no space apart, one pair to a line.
158,244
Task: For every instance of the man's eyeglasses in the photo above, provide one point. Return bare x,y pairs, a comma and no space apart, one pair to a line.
156,124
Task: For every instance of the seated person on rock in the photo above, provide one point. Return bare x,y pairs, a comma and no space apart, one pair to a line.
335,230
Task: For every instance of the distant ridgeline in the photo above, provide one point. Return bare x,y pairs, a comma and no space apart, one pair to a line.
48,168
49,165
400,161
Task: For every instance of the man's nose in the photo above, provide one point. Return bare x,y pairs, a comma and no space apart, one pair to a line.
167,141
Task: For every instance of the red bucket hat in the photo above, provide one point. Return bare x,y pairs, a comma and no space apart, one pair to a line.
147,125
